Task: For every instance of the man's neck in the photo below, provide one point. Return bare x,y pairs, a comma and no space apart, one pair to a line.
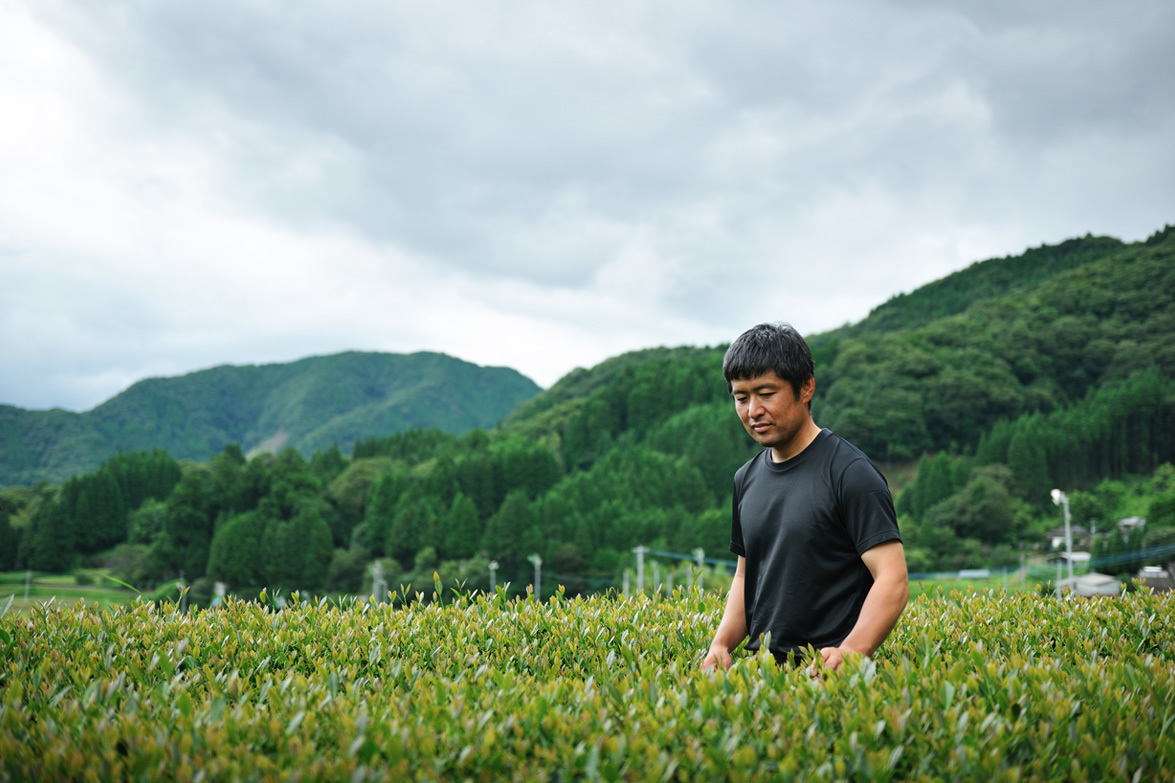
796,445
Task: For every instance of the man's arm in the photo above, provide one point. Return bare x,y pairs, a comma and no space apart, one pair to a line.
883,605
733,627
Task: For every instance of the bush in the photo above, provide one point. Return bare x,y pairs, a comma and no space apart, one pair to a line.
345,574
970,686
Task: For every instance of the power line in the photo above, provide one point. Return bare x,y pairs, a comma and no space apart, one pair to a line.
691,558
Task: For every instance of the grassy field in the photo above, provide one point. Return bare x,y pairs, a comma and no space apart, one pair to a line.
62,588
972,685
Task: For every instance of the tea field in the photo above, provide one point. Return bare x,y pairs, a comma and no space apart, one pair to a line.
972,685
30,591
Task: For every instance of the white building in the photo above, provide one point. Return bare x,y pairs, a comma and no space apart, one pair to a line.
1093,584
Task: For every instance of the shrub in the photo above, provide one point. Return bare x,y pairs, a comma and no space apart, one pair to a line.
970,686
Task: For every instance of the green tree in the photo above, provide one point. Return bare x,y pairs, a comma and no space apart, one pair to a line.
345,574
984,510
506,531
933,483
290,484
1088,509
380,512
8,542
49,538
414,524
298,550
227,488
236,555
146,523
347,493
708,531
442,484
1027,461
890,428
461,529
326,465
708,436
590,432
317,548
188,528
100,512
475,478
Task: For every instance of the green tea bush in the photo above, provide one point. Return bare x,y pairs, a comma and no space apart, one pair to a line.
970,686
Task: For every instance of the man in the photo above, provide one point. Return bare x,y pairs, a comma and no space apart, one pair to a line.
820,559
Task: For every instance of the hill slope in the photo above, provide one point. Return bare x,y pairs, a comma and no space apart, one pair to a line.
309,405
936,368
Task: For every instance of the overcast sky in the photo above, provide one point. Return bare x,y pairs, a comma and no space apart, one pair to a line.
539,185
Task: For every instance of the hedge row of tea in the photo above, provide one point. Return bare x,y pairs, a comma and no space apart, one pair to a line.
970,686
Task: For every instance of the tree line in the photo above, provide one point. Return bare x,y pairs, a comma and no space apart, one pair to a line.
1063,383
425,501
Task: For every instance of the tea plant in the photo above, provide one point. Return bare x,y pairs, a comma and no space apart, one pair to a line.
972,685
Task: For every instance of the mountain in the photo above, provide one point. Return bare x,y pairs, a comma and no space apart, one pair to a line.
979,393
935,369
308,404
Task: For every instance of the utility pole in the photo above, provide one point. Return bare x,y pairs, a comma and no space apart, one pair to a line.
493,570
1061,499
538,576
379,585
700,556
640,567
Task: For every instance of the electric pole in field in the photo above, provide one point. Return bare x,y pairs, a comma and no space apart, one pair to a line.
1061,499
538,576
640,567
379,585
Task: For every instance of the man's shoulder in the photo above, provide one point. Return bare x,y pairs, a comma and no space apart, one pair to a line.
748,466
842,450
848,461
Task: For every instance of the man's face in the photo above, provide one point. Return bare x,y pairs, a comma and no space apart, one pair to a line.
771,412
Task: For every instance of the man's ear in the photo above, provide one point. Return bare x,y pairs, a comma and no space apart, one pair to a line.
808,389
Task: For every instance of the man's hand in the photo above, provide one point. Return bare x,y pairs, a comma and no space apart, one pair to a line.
732,630
833,659
716,656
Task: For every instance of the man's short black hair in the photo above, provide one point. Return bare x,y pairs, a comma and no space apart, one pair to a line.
774,346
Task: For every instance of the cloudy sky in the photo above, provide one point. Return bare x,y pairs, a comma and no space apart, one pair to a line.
538,185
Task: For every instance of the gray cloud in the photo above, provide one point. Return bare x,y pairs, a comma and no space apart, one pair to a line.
539,185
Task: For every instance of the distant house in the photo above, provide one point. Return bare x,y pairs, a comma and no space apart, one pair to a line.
1056,535
1062,557
1156,578
1129,524
1092,584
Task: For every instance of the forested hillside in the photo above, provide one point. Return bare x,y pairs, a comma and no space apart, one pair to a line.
307,405
1059,373
941,385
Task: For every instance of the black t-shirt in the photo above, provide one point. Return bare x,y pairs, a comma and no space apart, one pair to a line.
802,526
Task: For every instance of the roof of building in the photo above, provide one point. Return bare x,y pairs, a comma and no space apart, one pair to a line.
1156,578
1077,557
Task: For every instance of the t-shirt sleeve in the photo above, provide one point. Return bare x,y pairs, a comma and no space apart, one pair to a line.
736,528
868,507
